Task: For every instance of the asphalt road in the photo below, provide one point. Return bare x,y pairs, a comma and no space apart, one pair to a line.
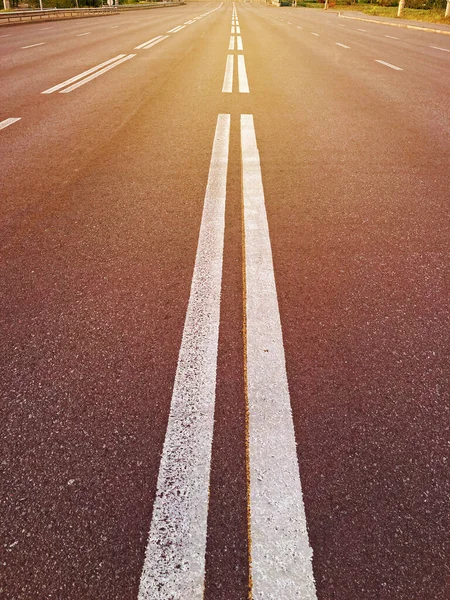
224,307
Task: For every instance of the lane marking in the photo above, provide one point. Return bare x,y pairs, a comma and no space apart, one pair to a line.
175,29
55,88
280,555
342,45
114,26
242,75
437,48
298,27
389,65
392,37
239,43
158,37
45,28
81,34
233,30
316,34
227,87
8,122
33,45
238,30
7,35
231,46
365,30
174,565
97,74
150,45
179,28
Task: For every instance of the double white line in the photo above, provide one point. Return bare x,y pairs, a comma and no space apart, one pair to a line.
75,82
242,75
280,555
152,42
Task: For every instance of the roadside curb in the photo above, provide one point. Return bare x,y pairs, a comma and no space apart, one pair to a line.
429,29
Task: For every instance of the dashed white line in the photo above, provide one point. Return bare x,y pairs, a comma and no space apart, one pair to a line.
240,46
114,26
176,29
174,565
389,65
153,43
81,34
7,35
437,48
298,27
227,87
342,45
231,46
238,29
316,34
8,122
365,30
55,88
148,42
97,74
233,30
242,75
280,555
392,37
33,45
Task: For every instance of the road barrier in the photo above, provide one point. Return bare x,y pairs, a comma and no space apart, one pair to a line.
23,16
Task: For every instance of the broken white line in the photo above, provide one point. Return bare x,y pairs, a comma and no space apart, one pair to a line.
280,554
8,122
242,75
33,45
174,565
389,65
227,87
239,43
437,48
342,45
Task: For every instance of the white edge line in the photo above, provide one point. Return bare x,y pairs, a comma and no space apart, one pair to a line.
55,88
174,564
97,74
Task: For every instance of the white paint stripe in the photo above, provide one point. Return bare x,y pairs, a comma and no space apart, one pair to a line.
281,557
389,65
81,34
316,34
175,29
179,29
8,122
238,30
114,26
242,74
239,43
227,87
148,42
342,45
33,45
97,74
392,37
298,27
437,48
55,88
148,46
231,46
45,28
174,565
365,30
7,35
233,30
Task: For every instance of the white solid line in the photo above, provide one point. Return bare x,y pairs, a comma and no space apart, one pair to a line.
8,122
281,557
231,46
148,42
80,34
239,43
150,45
342,45
437,48
242,75
33,45
316,34
174,565
227,87
392,37
97,74
55,88
389,65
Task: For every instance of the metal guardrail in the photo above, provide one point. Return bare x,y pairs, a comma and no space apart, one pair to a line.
71,13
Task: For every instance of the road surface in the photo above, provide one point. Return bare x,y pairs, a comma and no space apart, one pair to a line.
224,307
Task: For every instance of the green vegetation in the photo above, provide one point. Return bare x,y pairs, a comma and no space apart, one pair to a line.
431,11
